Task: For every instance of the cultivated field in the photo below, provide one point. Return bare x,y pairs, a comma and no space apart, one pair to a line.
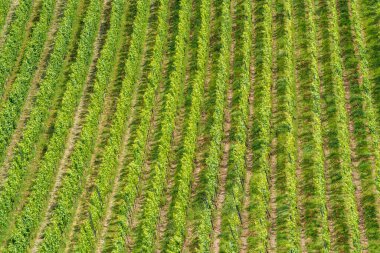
190,126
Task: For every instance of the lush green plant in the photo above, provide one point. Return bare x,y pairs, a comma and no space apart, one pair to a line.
312,181
335,132
29,217
259,188
233,204
129,192
177,212
362,116
12,106
107,173
68,193
14,40
4,9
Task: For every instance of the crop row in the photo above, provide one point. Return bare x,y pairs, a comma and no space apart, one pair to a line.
12,106
178,209
150,205
312,181
233,204
72,182
107,173
288,236
206,192
11,110
4,9
28,219
154,79
362,117
343,212
259,188
370,15
14,39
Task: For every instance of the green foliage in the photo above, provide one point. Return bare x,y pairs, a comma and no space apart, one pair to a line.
312,181
233,204
343,213
14,39
182,187
209,176
12,106
362,116
4,9
259,188
29,218
107,173
67,195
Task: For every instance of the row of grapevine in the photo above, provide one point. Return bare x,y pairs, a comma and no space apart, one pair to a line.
312,181
362,116
259,188
203,206
154,78
342,207
150,207
72,182
29,217
4,9
288,236
12,106
11,188
232,206
177,213
107,173
370,14
9,51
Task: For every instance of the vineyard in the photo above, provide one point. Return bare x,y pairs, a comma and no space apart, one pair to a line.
189,126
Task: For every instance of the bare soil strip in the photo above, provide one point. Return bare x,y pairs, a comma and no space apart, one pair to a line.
8,20
33,90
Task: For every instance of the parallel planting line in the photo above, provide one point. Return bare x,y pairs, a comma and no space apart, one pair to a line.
29,217
341,201
288,236
311,179
235,182
259,187
71,187
362,116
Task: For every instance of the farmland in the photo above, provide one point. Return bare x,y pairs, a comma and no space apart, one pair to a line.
190,126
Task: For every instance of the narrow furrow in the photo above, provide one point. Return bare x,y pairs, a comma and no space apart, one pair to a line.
129,191
246,233
361,112
72,182
287,216
203,140
26,78
29,217
232,208
341,204
259,209
310,166
19,125
369,12
224,107
113,90
12,48
23,154
99,198
184,169
159,240
7,10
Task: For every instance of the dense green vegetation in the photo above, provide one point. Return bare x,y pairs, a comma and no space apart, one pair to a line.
189,126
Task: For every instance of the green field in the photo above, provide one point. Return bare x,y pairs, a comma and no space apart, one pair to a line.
190,126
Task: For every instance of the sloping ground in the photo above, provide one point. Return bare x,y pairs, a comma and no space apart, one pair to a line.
190,126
